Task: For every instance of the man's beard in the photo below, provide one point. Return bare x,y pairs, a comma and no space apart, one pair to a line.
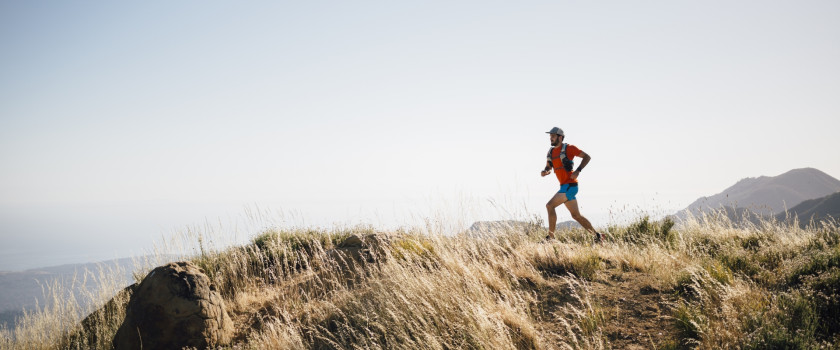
554,143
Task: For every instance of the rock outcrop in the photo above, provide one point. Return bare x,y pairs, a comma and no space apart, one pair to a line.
174,307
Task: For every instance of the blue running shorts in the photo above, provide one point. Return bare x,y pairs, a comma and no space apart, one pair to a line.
570,191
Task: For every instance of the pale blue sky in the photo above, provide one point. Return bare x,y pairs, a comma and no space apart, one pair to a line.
121,122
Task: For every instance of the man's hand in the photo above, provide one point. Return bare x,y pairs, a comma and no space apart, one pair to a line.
574,174
545,172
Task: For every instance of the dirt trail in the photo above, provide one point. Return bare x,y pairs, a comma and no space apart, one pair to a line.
636,312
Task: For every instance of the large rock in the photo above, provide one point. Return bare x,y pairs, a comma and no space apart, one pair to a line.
174,307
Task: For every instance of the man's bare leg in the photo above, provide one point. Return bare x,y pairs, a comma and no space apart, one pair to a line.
555,202
572,205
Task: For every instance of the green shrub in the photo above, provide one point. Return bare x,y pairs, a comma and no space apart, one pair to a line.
404,247
690,322
305,241
739,262
644,230
719,272
274,255
683,284
691,285
756,241
829,234
585,264
790,324
670,344
770,259
705,244
814,265
826,292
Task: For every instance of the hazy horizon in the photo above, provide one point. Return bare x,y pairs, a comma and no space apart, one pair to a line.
121,123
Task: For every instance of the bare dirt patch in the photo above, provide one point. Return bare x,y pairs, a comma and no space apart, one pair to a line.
636,311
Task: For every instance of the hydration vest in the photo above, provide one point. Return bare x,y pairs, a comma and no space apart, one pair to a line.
568,164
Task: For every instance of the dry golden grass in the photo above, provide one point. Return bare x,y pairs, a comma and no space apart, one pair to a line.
726,285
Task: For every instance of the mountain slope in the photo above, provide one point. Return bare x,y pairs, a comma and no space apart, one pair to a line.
816,209
30,289
770,195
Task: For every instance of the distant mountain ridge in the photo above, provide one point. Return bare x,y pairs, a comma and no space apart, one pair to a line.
815,209
771,195
21,290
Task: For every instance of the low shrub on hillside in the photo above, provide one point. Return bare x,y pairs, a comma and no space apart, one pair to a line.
761,287
646,231
790,322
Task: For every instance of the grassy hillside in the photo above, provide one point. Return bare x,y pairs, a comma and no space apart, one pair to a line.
707,284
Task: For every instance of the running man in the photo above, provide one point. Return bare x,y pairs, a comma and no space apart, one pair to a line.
560,157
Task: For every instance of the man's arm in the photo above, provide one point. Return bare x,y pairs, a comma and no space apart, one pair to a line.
586,159
548,165
547,169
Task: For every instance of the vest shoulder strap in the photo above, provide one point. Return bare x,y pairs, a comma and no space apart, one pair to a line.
562,154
